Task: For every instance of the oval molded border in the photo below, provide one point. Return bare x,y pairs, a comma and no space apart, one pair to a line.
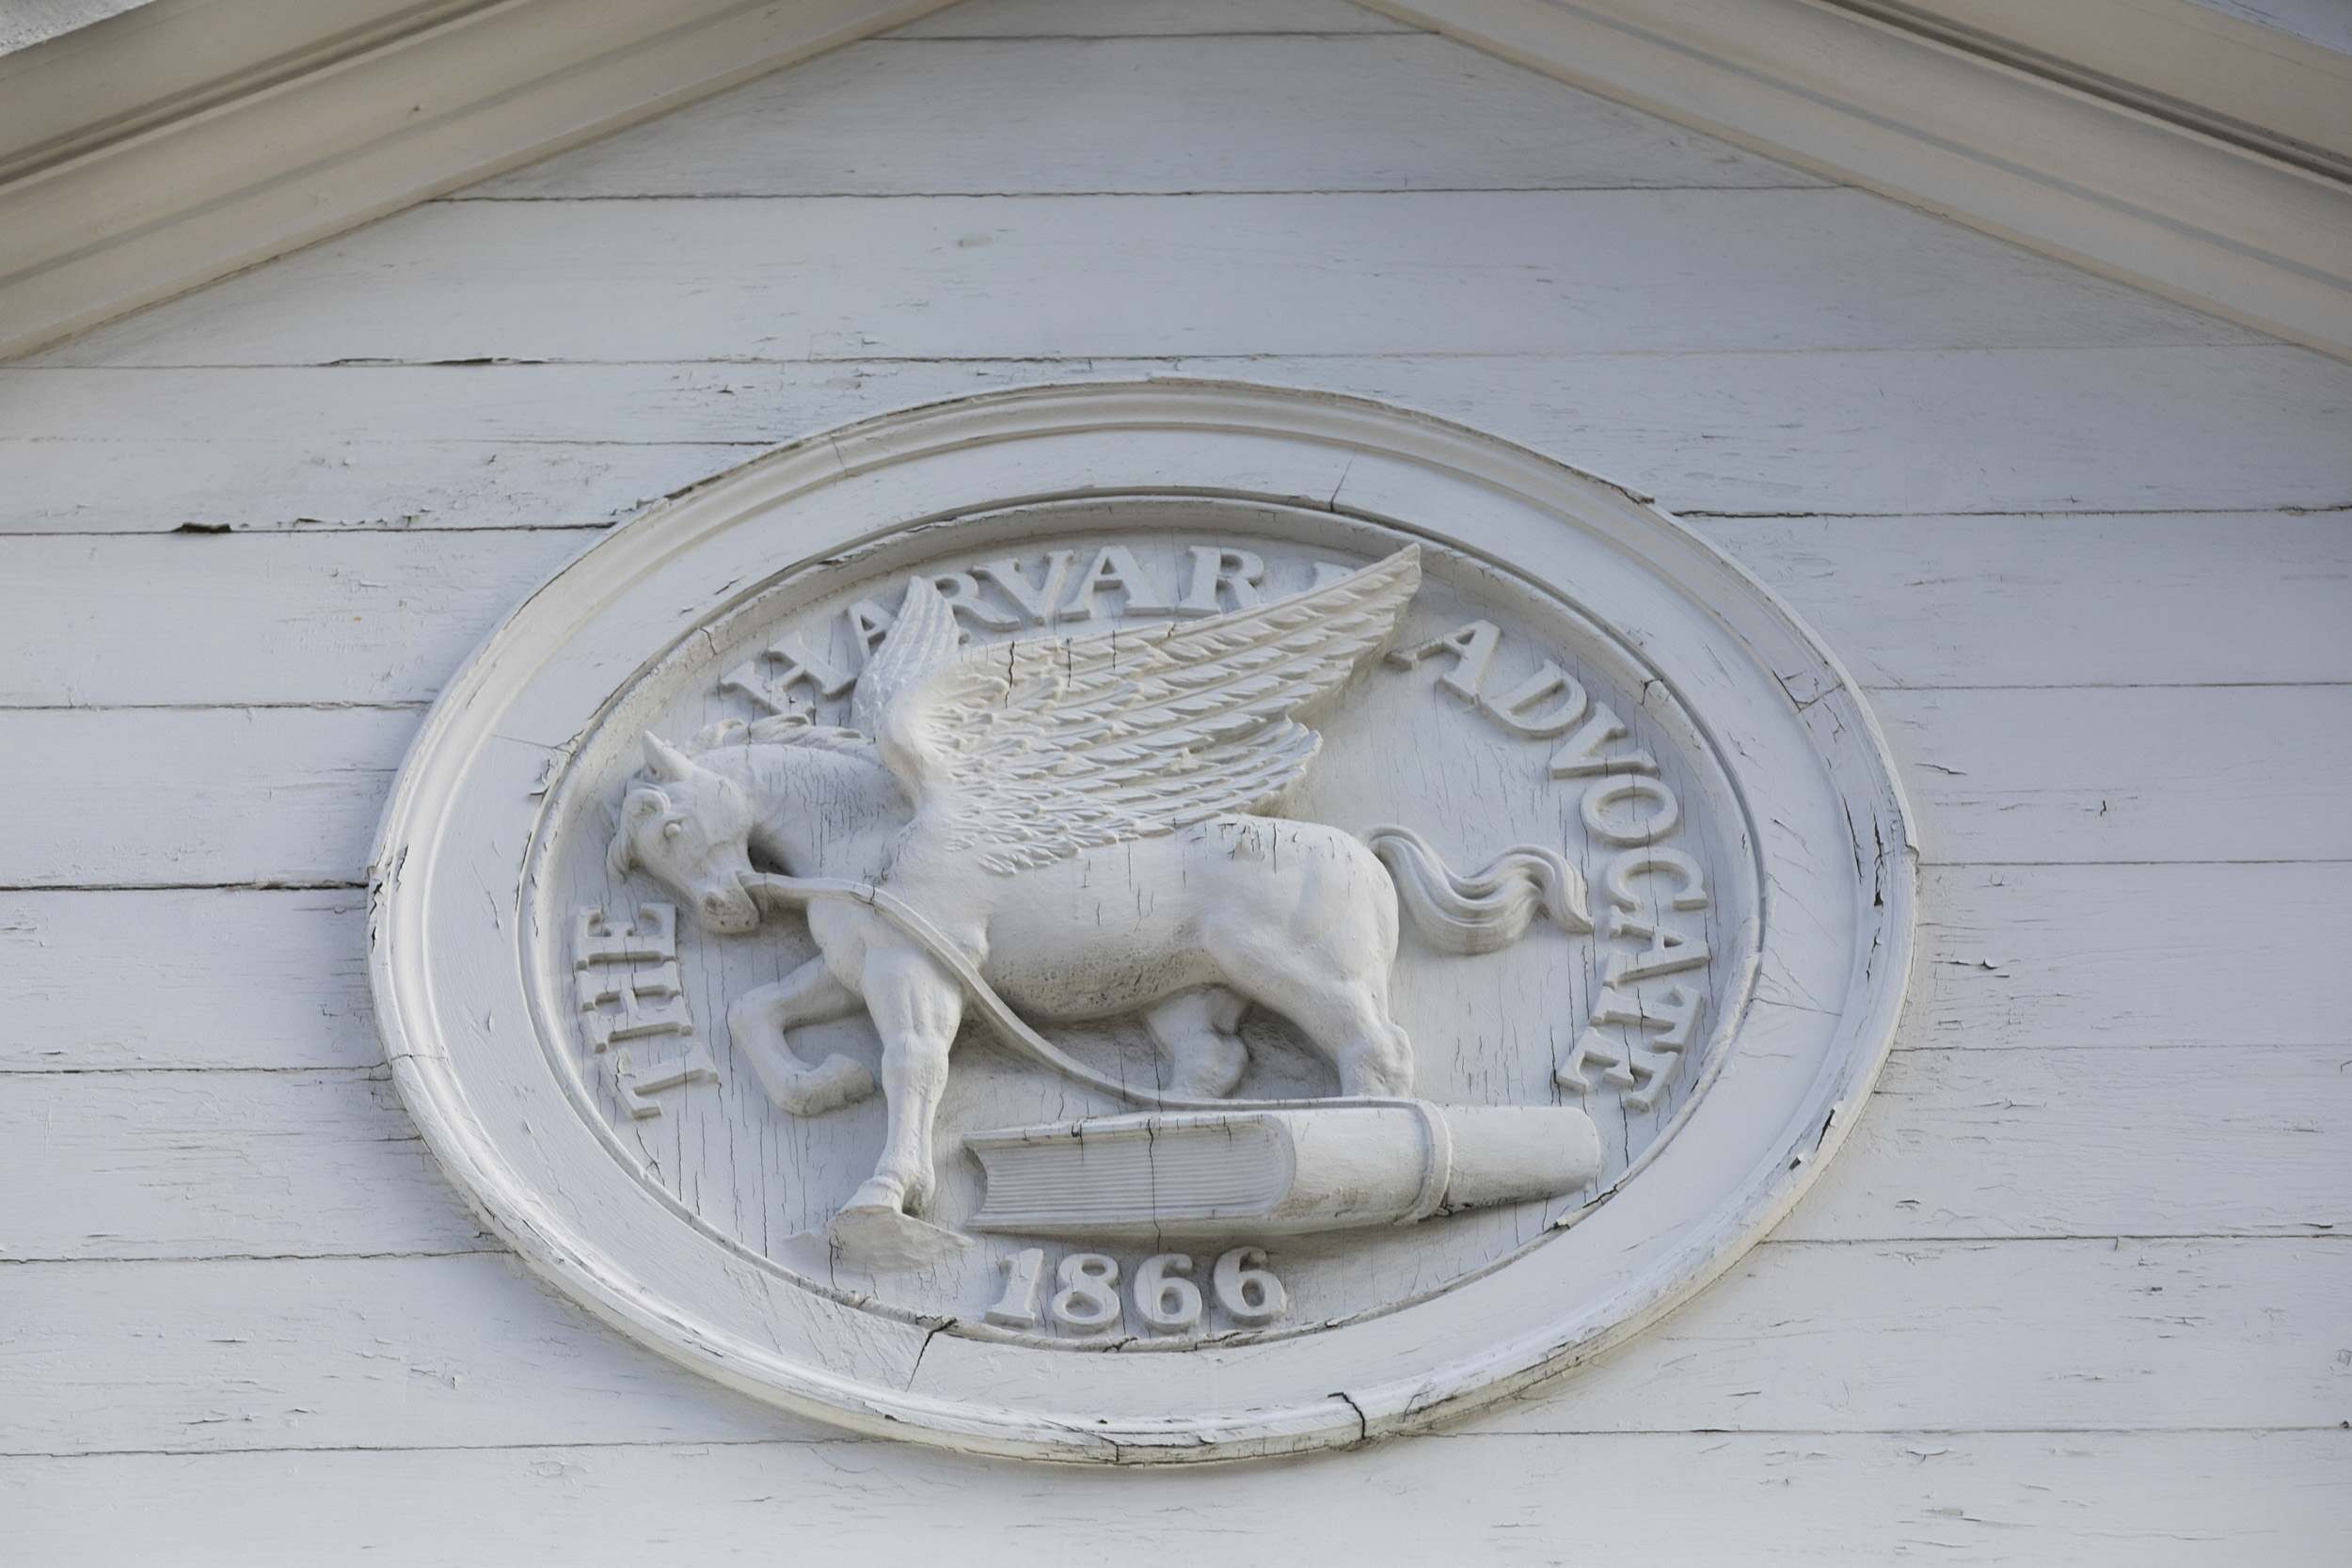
448,967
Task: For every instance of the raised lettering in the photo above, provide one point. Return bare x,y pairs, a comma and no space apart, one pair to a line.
1237,573
1666,812
1691,895
1036,604
962,592
1024,1280
1670,952
1166,1301
869,622
1115,566
1510,710
797,662
1088,1302
1580,756
1246,1290
1471,648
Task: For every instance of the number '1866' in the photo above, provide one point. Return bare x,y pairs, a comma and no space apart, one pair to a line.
1081,1296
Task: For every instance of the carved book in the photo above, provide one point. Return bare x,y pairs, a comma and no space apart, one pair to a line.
1277,1171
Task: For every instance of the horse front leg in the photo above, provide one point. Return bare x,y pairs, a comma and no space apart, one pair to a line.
916,1007
757,1022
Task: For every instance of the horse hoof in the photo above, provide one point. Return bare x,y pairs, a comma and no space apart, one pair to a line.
883,1237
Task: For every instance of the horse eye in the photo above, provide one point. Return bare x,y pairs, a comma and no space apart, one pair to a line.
672,829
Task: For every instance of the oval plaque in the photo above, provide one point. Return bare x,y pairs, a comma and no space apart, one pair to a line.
1141,923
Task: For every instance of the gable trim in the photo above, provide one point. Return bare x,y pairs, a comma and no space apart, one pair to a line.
2119,181
97,221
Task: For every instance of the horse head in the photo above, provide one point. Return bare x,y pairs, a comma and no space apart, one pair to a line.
691,828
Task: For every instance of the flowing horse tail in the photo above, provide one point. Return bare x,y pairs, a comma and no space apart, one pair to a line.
1487,911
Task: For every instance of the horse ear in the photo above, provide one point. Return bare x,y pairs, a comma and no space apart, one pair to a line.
665,761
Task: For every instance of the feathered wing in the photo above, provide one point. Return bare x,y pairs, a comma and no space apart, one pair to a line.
1031,751
921,639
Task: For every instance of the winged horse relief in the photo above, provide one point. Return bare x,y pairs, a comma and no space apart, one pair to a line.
1067,830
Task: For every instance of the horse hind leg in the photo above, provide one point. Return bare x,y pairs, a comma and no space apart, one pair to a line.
1371,1050
1194,1030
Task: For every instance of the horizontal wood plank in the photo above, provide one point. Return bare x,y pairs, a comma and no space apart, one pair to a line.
1800,1337
953,276
291,796
2210,429
184,980
1347,112
169,798
2017,958
1955,1144
2024,958
2062,1142
2089,1499
2156,773
386,616
2063,601
370,617
220,1165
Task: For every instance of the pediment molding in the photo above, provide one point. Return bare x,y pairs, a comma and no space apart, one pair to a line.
2154,141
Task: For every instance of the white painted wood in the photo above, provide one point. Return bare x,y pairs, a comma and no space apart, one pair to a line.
289,795
2133,956
2058,1336
381,617
1039,18
2151,773
2024,958
1955,1143
309,144
1351,111
1871,101
2065,601
966,277
2053,1142
2208,430
184,980
221,1165
370,617
2155,1048
292,790
2179,58
2094,1498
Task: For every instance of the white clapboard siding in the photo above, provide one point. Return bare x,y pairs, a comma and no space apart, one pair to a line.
2089,1499
384,617
369,617
954,278
220,1165
2015,959
2124,600
2209,428
2064,1142
184,980
2127,956
172,796
1955,1144
1930,1336
2149,773
1361,111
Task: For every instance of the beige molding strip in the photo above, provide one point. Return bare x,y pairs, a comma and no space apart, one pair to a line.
2109,171
153,154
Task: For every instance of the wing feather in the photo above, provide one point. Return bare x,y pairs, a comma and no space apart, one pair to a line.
1031,751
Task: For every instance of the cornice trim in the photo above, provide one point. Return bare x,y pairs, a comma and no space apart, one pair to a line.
153,199
2117,176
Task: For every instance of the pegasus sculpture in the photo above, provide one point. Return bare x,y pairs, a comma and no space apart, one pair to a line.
1065,829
